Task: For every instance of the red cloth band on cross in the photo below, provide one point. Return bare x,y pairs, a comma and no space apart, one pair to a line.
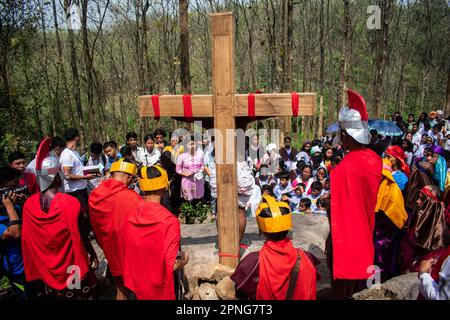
187,105
155,103
251,106
228,255
295,103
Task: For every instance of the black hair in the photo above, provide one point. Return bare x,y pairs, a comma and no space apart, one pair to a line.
306,202
149,137
287,138
300,165
110,144
96,148
307,166
127,152
437,127
152,172
16,155
316,185
409,146
267,187
159,132
71,134
7,174
427,126
447,155
304,145
374,132
325,152
130,135
57,142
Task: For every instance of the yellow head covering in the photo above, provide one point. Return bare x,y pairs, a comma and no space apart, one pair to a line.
123,166
390,198
152,184
277,222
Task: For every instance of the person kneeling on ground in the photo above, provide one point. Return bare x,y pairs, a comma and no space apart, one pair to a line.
152,241
284,272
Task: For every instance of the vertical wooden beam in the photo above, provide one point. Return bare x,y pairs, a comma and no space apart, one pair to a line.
224,118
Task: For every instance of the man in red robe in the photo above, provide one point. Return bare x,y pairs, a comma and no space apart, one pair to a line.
354,187
284,272
53,250
109,206
152,241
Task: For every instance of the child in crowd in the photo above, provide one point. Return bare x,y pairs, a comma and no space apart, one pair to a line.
326,187
283,191
296,197
321,207
265,177
316,192
267,190
304,206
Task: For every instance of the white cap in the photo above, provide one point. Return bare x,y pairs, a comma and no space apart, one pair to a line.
315,149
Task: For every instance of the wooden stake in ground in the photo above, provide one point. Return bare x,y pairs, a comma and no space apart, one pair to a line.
225,106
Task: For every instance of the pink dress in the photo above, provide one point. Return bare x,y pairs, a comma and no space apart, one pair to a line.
191,188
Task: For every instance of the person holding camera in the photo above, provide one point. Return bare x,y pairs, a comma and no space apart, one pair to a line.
11,262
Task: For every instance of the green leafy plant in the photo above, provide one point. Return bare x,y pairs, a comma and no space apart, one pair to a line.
194,214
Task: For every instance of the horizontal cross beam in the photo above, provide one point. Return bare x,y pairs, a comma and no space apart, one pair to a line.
266,105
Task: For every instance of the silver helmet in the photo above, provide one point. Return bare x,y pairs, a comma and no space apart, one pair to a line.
49,170
354,119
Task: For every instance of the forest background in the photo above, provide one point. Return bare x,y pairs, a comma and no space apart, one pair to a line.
54,77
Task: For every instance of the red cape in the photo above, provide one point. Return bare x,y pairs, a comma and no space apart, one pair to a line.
51,241
276,262
354,187
152,240
109,207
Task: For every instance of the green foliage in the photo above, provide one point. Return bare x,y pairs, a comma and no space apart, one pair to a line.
4,283
197,214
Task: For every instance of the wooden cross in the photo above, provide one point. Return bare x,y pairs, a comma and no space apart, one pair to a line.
225,107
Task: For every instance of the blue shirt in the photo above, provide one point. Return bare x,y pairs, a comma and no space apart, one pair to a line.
12,262
279,191
111,160
401,179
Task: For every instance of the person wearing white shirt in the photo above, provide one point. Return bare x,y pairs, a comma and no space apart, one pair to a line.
416,136
149,155
132,143
75,182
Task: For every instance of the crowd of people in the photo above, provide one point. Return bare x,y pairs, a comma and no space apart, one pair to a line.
387,200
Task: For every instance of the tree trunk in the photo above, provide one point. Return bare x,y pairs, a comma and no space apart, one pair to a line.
447,102
343,62
381,54
92,120
61,70
75,78
185,75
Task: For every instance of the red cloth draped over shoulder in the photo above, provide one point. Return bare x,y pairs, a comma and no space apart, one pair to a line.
276,262
152,240
109,206
354,187
51,241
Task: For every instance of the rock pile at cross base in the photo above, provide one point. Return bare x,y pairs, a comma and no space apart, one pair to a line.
209,280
